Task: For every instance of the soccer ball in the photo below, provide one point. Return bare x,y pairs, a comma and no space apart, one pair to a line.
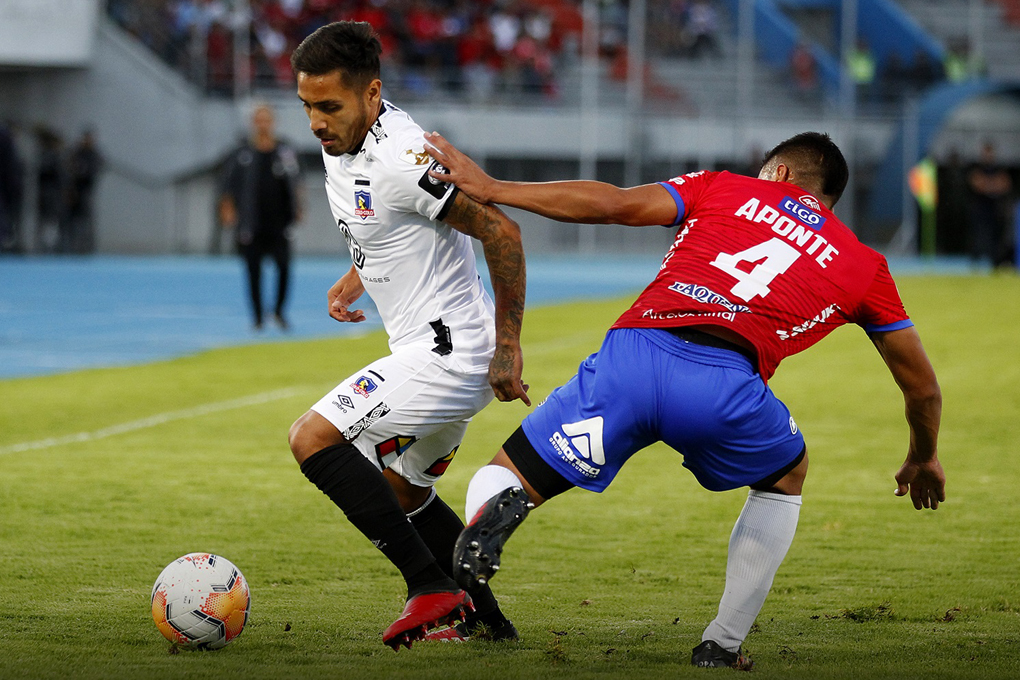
200,601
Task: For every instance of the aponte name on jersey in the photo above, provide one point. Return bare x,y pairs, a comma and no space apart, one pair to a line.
768,261
419,271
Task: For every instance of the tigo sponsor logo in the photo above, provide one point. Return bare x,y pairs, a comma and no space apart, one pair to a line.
802,213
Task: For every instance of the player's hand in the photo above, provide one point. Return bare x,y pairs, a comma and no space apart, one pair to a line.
925,482
228,214
460,169
505,374
342,295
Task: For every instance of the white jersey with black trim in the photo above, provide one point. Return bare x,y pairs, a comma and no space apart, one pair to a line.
420,272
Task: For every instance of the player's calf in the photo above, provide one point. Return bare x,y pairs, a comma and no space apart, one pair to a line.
477,553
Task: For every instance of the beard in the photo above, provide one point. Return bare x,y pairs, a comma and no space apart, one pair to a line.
358,131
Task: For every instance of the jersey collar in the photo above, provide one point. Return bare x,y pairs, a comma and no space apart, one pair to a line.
375,133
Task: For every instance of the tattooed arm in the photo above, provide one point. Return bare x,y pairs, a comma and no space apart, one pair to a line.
504,254
579,201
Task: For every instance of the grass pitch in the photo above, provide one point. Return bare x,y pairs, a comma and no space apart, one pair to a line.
108,475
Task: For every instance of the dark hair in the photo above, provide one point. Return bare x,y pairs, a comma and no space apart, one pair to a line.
351,47
816,156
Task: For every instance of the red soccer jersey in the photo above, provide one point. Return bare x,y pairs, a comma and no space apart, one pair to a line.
768,261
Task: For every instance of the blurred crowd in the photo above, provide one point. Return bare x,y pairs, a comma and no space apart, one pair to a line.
889,80
452,44
62,183
482,48
478,47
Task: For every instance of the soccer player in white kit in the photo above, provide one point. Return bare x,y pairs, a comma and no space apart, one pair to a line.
378,441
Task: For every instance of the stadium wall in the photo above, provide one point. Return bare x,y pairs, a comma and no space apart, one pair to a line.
47,32
152,127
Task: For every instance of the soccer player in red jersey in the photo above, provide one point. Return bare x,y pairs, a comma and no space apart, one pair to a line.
760,269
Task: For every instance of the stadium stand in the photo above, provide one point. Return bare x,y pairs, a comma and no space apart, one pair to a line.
1012,11
998,22
478,47
157,83
483,52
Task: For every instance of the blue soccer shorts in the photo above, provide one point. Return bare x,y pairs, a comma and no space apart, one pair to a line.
647,385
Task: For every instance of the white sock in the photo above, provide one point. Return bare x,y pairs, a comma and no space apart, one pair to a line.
759,542
486,483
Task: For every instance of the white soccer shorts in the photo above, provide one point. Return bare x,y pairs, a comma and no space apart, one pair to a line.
407,411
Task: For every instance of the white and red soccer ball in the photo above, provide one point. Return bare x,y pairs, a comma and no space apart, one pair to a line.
200,601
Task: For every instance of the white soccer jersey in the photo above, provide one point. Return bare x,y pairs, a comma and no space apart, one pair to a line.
420,272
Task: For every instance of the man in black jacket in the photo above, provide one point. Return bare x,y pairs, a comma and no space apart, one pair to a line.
260,201
10,191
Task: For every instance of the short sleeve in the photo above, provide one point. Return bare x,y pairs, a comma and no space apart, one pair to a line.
404,183
881,309
686,190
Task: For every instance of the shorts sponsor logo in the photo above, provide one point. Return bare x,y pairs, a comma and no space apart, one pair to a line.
565,452
793,426
374,416
706,296
343,402
802,212
364,386
391,449
363,204
586,437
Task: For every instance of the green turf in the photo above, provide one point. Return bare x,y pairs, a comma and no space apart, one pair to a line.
617,585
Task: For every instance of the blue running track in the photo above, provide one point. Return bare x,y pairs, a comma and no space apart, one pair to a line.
67,313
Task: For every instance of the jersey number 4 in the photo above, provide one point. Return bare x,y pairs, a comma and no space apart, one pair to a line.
768,260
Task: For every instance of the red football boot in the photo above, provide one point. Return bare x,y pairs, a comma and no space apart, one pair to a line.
425,611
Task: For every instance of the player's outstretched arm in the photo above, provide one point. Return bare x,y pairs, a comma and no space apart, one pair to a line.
345,293
570,201
504,254
921,474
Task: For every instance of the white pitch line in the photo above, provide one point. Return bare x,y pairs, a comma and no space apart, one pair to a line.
198,411
153,421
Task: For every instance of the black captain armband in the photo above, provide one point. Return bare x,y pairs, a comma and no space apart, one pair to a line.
431,185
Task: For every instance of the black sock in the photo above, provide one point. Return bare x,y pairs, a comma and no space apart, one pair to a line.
439,526
359,489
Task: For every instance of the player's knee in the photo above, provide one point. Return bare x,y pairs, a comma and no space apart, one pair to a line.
410,496
296,439
793,483
311,433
